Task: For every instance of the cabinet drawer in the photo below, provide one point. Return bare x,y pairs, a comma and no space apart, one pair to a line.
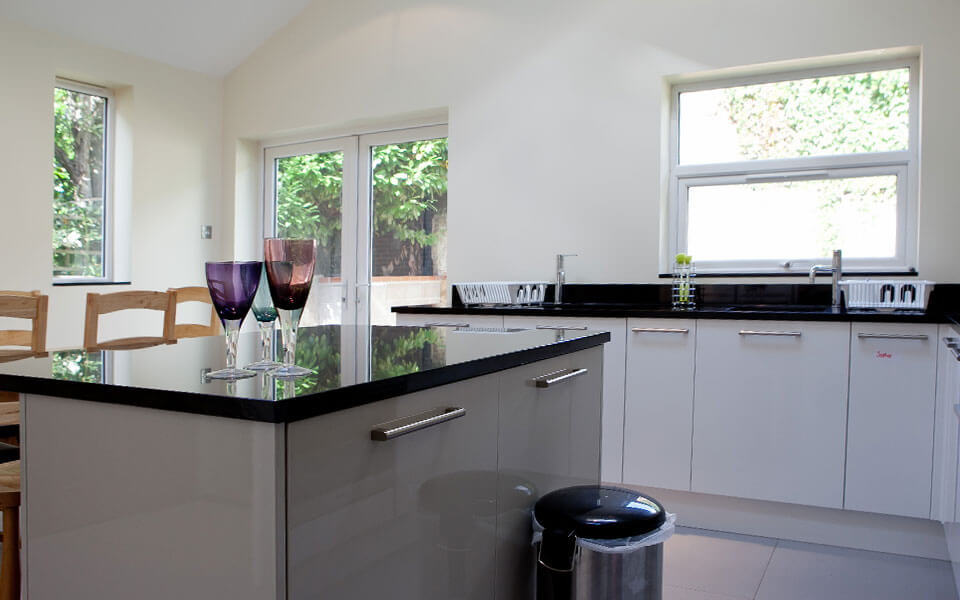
613,380
373,519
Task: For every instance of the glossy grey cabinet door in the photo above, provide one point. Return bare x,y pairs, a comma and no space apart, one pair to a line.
409,518
549,438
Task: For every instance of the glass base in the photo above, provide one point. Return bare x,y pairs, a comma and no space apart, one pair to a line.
231,374
263,365
289,372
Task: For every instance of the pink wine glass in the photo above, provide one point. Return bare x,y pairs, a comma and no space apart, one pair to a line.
232,287
289,266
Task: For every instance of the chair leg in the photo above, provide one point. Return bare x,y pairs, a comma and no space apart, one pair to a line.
10,558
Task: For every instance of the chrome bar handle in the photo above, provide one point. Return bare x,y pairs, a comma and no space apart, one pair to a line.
557,377
446,325
561,328
775,333
893,336
404,425
953,344
659,330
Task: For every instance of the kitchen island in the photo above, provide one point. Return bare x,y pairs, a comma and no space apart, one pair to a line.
144,479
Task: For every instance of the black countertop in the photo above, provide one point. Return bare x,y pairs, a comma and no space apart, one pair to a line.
394,361
791,302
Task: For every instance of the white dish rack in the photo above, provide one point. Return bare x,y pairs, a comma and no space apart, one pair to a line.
887,294
502,292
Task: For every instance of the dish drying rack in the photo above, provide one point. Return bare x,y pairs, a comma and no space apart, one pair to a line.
501,292
887,294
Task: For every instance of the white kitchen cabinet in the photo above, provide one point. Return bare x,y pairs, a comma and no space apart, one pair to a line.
770,410
440,320
893,372
658,410
549,438
611,469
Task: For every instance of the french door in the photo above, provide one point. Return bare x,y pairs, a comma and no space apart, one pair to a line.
376,204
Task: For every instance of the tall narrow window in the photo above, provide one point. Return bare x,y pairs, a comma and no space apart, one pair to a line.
771,174
80,181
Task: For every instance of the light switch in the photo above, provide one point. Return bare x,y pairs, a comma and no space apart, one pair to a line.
206,232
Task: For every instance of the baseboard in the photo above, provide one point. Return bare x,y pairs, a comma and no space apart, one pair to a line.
833,527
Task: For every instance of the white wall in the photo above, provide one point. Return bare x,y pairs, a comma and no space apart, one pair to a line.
556,110
171,130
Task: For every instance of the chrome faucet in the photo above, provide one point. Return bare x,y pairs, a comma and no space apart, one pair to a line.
835,271
561,278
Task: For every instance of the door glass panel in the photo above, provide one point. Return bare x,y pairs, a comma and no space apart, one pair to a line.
409,225
310,205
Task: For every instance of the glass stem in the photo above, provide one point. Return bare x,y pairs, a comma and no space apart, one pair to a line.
289,322
232,334
266,340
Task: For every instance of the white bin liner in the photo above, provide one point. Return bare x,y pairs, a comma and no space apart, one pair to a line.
620,545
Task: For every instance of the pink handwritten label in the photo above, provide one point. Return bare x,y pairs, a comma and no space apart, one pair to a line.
884,354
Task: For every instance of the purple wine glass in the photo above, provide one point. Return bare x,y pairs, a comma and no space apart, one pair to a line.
232,287
289,264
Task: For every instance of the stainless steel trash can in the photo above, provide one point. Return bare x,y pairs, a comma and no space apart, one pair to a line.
600,543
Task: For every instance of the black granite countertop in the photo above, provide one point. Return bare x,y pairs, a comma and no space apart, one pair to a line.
791,302
391,361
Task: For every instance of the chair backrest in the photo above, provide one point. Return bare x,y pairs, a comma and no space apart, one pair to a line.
24,305
101,304
175,331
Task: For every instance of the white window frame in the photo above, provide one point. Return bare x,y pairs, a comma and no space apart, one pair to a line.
108,208
903,164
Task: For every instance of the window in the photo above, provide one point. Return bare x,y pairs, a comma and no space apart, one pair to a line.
377,206
81,182
771,174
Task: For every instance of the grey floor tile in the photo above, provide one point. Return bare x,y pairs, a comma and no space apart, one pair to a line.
678,593
801,571
724,564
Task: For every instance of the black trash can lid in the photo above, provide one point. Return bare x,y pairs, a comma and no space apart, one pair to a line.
599,512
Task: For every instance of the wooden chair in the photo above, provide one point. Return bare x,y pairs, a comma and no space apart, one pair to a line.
101,304
24,305
173,331
10,549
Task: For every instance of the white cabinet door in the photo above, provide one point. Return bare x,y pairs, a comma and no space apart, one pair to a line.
434,320
893,372
658,412
611,469
407,519
770,410
549,438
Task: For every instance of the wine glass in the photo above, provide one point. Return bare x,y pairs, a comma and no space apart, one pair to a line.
289,264
266,314
232,286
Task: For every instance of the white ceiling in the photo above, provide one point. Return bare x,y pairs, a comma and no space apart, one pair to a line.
210,36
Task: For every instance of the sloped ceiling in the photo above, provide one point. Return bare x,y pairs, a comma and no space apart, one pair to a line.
209,36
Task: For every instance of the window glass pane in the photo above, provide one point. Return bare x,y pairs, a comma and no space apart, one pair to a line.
841,114
78,183
309,205
409,251
794,220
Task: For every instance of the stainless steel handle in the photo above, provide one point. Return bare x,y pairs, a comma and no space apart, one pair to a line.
556,377
953,344
446,325
893,336
404,425
561,328
776,333
659,330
